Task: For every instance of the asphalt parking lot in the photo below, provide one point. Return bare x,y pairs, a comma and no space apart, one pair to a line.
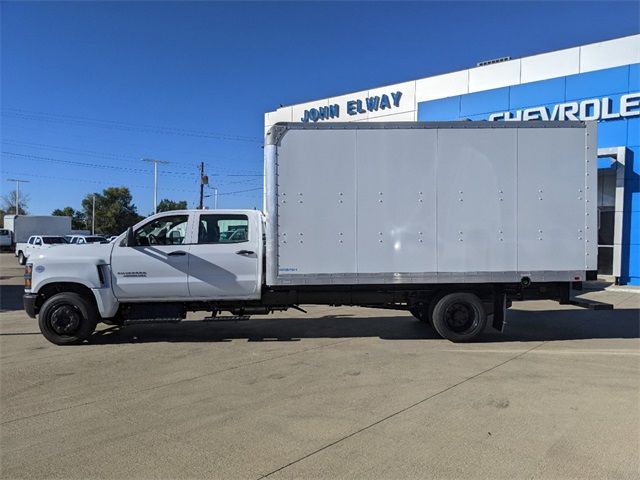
335,393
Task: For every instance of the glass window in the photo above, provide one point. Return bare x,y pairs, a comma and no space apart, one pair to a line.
169,230
53,240
37,241
223,229
31,240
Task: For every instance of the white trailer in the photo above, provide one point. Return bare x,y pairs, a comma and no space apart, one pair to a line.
25,226
450,221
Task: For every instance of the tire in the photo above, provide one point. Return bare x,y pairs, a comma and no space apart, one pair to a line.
67,318
22,260
459,317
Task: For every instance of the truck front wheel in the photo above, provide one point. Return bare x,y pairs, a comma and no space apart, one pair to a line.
21,258
67,318
459,317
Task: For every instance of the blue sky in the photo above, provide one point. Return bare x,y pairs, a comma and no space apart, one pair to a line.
90,88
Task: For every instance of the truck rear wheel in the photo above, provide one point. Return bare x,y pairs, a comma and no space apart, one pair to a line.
459,317
67,318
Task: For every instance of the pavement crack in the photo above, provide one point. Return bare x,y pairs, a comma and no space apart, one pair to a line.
409,407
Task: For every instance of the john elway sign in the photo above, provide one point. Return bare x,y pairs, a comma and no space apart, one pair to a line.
353,107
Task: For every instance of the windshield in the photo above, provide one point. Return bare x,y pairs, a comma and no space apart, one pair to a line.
53,240
4,232
95,239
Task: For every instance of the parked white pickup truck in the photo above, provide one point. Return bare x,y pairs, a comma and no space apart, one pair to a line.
450,221
36,243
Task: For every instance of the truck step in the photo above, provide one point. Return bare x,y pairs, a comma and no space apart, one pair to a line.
142,321
227,318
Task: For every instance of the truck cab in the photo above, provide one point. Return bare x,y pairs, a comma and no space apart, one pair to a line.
196,255
167,261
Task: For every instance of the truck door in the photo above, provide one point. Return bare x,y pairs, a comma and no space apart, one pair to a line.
156,266
224,261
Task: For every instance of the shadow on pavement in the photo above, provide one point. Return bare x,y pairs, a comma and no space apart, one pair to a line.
522,326
11,298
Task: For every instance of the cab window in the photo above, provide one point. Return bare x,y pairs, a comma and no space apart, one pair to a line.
223,229
170,230
37,241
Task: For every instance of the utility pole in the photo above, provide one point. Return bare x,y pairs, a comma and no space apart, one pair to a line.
93,216
18,182
204,180
155,180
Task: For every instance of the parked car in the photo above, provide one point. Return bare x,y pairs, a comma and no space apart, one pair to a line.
84,239
35,243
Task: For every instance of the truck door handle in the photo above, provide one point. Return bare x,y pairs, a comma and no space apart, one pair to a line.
178,253
244,252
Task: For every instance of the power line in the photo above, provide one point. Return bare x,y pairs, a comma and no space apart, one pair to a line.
93,153
119,125
107,182
86,164
75,180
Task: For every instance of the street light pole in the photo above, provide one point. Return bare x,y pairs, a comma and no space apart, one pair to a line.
93,216
18,182
155,180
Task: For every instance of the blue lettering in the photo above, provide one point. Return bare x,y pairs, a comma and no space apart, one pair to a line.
372,103
334,110
360,109
314,114
396,98
305,117
384,102
324,113
351,107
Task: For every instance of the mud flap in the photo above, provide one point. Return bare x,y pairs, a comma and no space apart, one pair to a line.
499,310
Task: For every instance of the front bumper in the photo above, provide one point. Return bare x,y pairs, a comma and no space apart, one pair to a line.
29,300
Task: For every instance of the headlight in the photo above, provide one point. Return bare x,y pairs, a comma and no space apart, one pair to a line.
28,270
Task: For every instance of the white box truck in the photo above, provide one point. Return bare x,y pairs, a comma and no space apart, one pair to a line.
451,221
25,226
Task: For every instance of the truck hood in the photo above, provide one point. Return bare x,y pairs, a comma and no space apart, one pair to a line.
95,253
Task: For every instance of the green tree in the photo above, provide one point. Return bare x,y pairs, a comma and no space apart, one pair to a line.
78,221
166,205
115,211
8,203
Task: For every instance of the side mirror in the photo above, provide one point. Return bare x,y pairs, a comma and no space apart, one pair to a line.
130,240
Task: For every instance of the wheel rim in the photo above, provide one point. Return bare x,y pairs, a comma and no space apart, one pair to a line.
461,317
65,319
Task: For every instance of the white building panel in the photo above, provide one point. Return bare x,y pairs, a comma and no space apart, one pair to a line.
395,117
280,115
442,86
498,75
612,53
550,65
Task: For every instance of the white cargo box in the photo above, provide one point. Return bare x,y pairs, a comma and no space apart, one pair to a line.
443,202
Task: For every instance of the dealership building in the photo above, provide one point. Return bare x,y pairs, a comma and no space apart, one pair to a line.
599,81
